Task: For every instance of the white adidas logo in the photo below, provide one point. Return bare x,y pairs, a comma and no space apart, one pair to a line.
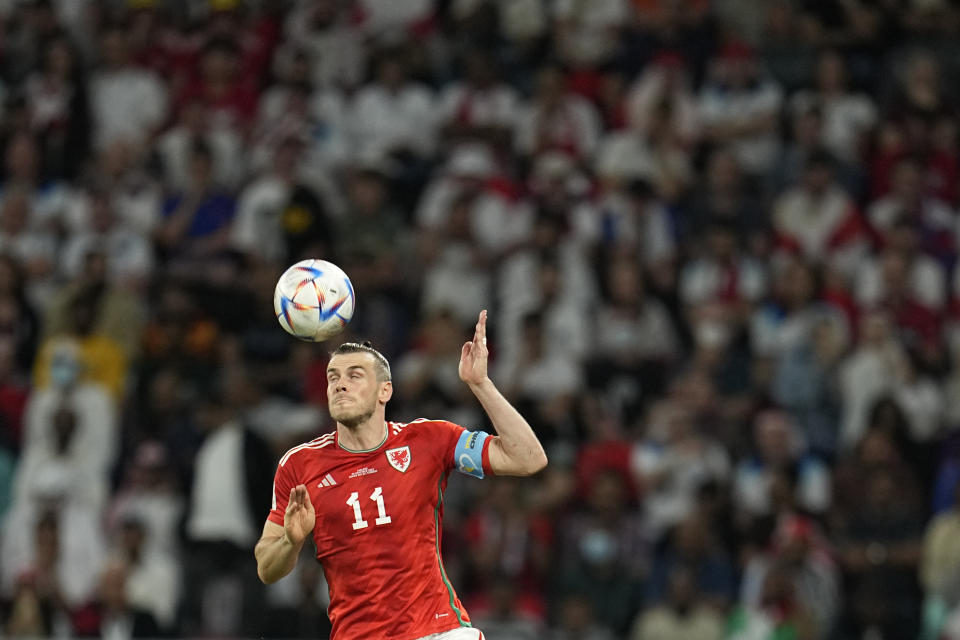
327,481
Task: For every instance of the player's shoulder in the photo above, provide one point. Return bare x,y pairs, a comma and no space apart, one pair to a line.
421,425
311,447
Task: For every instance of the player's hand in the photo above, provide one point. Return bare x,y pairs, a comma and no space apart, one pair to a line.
473,356
300,517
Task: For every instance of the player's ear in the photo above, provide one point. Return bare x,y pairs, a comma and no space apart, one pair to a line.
386,391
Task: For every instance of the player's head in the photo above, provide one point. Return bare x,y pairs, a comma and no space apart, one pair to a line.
359,383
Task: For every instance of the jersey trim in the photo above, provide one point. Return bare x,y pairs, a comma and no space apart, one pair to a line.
386,434
316,443
443,573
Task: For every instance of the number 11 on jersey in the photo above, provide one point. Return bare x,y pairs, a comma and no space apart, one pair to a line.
359,522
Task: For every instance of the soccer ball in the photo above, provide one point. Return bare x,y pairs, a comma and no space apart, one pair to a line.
313,300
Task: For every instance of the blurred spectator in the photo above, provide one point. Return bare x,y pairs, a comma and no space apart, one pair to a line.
149,498
196,226
819,221
556,119
481,106
921,121
128,254
719,287
33,249
908,203
799,551
509,540
672,463
681,614
780,449
926,278
426,379
634,336
293,108
848,117
504,616
603,552
18,319
724,196
577,619
52,550
881,545
152,576
117,616
805,381
136,197
174,149
280,216
102,321
691,569
787,319
228,95
543,380
333,44
940,563
56,98
47,198
739,107
777,613
877,350
393,116
222,588
127,103
588,39
469,177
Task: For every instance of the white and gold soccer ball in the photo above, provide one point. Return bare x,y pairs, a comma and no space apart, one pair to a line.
314,300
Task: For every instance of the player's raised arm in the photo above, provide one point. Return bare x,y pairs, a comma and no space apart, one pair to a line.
278,548
515,451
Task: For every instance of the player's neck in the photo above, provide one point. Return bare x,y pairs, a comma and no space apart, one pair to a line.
365,436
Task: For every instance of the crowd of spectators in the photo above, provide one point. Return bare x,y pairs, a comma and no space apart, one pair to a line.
718,240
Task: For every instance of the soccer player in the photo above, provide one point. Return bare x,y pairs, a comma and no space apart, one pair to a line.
371,494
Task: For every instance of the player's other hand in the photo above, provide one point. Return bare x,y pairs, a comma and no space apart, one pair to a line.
300,517
473,356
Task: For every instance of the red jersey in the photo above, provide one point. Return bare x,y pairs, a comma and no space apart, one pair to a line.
377,532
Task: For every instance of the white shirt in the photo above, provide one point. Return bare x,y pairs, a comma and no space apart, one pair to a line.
494,221
336,52
927,277
153,585
382,120
702,280
129,254
219,508
256,228
649,334
126,104
453,283
95,439
574,127
846,119
226,148
595,25
717,106
82,550
492,107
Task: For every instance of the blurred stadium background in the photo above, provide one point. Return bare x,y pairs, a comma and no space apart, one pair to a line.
718,240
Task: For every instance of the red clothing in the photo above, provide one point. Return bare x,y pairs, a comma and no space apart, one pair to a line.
378,525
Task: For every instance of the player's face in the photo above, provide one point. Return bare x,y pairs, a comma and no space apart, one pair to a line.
353,390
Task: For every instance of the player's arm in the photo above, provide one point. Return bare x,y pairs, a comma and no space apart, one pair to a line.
515,450
278,547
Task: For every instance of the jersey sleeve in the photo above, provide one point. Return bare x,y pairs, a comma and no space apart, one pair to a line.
466,451
283,481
